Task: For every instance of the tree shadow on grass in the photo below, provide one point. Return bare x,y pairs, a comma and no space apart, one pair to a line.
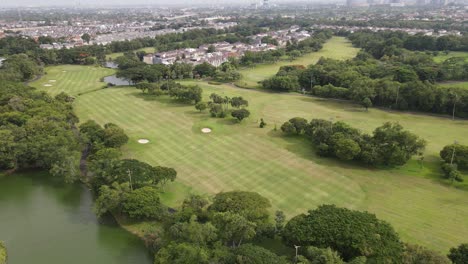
163,99
304,148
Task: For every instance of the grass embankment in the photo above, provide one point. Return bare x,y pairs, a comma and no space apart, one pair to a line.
3,253
286,170
335,48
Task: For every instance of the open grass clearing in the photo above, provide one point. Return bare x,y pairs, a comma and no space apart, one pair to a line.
335,48
443,57
461,84
286,170
113,56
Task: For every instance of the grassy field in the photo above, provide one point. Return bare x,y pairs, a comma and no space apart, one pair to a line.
118,54
454,84
335,48
285,170
72,79
443,57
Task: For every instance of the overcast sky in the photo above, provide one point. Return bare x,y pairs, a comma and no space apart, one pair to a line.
16,3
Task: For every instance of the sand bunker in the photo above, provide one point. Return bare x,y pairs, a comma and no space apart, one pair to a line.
206,130
52,80
48,85
64,71
143,141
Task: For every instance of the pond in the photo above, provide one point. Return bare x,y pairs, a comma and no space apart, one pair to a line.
111,65
116,81
44,221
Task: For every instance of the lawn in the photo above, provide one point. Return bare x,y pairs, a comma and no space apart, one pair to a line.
335,48
113,56
285,170
462,84
443,57
72,79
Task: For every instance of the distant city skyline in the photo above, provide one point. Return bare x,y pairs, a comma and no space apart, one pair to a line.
24,3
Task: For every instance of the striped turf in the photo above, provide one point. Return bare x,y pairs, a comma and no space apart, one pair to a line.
285,170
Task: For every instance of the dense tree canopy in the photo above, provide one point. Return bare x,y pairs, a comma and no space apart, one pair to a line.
37,132
349,232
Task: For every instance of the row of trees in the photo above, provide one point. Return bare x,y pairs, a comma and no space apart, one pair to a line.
402,82
389,144
379,43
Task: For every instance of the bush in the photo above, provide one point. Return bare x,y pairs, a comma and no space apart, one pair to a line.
143,203
240,114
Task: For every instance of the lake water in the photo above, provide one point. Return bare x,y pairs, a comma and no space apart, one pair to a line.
116,81
44,221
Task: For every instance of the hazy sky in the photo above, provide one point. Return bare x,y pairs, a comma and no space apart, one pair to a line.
121,2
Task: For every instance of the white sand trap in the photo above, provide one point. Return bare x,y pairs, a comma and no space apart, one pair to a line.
206,130
48,85
52,80
64,71
143,141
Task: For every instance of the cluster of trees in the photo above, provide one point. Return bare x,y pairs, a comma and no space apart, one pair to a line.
404,82
36,131
19,68
219,106
123,186
389,144
186,93
133,69
227,231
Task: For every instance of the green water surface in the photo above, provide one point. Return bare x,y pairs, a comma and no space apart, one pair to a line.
44,221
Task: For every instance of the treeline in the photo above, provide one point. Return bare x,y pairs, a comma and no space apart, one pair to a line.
386,42
395,23
228,230
37,131
389,144
404,81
